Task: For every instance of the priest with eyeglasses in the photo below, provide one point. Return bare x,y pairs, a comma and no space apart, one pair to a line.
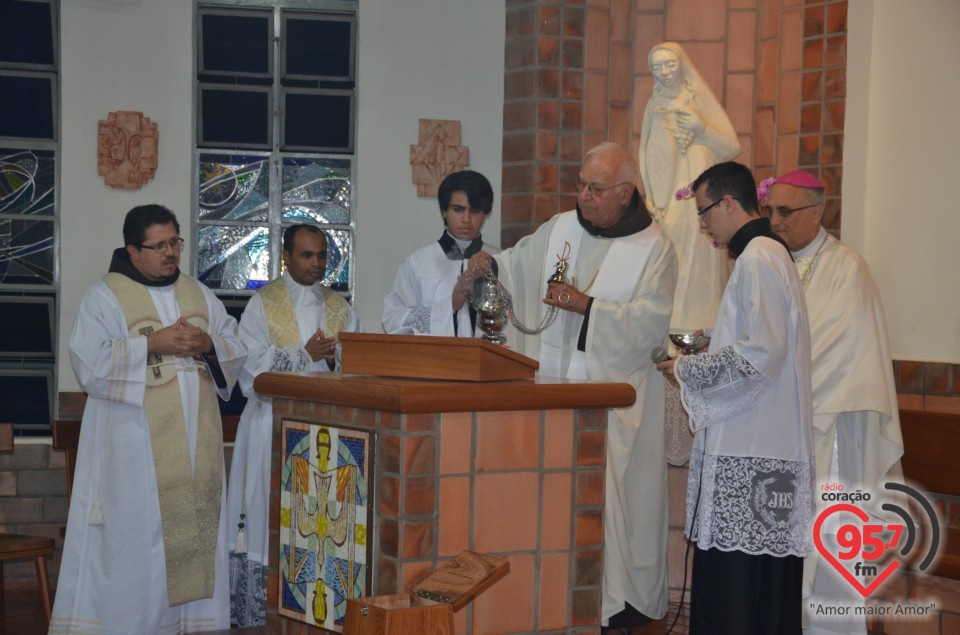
613,310
146,543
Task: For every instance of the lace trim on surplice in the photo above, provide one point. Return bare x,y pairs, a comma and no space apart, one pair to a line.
248,591
714,386
291,359
751,504
418,319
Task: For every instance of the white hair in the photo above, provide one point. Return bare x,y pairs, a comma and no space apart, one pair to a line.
627,164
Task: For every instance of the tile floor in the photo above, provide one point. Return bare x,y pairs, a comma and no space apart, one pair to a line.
24,616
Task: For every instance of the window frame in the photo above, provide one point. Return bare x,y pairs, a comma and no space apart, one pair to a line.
30,364
282,11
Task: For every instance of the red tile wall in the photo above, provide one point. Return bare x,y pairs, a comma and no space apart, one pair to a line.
930,386
576,74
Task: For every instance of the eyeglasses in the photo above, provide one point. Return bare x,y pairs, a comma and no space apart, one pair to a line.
596,189
701,212
174,243
783,212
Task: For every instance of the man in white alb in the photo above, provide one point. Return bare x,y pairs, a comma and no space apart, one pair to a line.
856,422
613,311
146,543
750,487
291,324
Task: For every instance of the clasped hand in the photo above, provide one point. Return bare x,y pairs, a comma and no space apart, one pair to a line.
319,346
181,339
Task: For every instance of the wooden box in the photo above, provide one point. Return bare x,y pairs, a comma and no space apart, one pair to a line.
428,610
429,357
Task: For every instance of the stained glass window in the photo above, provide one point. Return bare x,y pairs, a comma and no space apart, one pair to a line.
29,215
26,182
233,257
338,259
277,66
316,190
234,219
234,187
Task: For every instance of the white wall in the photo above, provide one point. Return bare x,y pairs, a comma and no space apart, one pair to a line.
137,59
433,59
429,59
901,206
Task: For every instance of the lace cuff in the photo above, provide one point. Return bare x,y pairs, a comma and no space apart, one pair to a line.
714,386
291,359
750,504
418,319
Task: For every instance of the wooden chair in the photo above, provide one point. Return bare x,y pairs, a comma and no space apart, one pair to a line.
18,547
66,437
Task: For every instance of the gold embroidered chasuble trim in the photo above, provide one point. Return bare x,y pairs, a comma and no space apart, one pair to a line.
189,506
281,317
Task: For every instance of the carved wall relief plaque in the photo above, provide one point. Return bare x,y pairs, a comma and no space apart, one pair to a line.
127,150
438,154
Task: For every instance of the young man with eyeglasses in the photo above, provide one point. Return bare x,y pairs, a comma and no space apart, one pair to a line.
856,422
750,490
614,309
146,543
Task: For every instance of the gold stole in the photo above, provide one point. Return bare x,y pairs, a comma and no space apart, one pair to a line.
189,506
281,317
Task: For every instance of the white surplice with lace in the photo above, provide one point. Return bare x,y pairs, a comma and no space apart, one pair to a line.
419,300
750,405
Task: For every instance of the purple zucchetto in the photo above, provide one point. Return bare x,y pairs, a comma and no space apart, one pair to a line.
800,178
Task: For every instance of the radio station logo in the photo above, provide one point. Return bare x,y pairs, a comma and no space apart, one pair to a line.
866,551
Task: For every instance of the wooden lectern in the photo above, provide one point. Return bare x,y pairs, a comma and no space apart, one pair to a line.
426,357
496,461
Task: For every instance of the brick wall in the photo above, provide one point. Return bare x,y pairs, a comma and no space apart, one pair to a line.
576,74
543,115
33,501
929,386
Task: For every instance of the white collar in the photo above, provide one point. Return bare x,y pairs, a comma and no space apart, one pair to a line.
303,295
814,245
